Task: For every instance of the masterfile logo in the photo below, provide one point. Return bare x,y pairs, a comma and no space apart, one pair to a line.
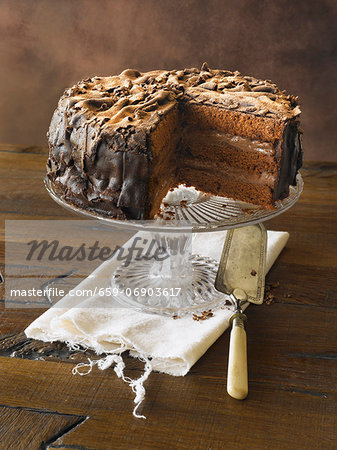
54,250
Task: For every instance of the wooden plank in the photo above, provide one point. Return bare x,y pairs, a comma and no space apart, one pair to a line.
189,412
288,419
33,429
23,194
33,149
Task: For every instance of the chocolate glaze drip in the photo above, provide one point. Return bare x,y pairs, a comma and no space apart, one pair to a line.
99,135
290,155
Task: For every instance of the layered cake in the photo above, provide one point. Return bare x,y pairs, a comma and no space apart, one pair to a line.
118,144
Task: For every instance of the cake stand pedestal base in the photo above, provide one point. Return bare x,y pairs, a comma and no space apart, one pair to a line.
172,283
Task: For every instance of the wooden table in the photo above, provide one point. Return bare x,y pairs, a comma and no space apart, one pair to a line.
292,400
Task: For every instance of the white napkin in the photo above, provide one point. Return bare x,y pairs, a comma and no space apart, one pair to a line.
173,346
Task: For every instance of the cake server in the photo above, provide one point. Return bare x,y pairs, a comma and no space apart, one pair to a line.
241,275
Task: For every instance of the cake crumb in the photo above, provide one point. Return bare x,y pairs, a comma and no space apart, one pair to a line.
253,273
228,302
203,316
183,203
175,317
269,297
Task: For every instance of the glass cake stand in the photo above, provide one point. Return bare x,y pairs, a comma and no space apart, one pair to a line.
179,282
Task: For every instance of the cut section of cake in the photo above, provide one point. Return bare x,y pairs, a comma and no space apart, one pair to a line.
118,144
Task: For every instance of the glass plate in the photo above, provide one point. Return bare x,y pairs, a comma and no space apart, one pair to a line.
199,212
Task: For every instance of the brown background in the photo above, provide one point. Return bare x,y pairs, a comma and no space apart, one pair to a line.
47,45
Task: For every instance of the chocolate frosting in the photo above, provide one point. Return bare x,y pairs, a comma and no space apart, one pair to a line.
99,133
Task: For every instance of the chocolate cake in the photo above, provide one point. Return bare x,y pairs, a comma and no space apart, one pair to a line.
118,144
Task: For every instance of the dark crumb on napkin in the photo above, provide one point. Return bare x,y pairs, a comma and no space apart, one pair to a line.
203,316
